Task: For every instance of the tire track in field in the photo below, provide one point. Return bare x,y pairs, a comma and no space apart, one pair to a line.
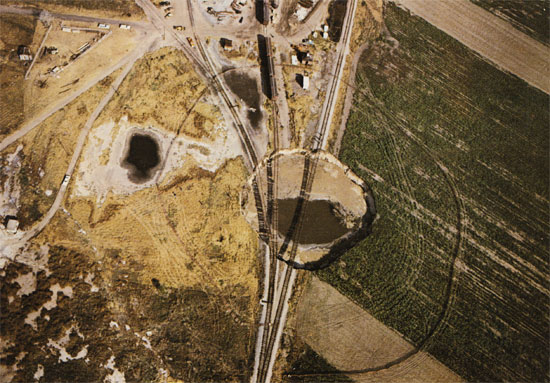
449,295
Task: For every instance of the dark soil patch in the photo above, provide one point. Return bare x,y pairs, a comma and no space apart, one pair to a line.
320,225
246,88
142,157
337,11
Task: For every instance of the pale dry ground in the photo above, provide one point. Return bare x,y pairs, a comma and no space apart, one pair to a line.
349,339
488,35
83,72
56,134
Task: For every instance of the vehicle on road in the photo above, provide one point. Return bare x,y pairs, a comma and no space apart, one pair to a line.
179,27
103,26
66,180
169,14
190,41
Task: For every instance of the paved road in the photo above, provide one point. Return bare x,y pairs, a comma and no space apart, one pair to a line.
64,16
489,36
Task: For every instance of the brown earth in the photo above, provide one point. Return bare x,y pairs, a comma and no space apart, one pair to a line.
163,90
351,339
43,90
40,170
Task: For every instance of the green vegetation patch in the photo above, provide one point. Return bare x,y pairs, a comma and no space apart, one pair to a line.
529,16
456,153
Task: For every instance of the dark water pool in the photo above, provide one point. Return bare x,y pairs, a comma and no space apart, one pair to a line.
320,224
142,157
246,88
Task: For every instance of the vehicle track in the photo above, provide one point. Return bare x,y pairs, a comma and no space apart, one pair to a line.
451,286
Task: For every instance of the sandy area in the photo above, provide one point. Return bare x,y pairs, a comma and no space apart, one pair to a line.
94,64
349,338
489,36
100,170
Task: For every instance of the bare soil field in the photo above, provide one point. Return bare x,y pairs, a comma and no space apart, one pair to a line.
350,339
490,36
44,154
43,89
456,153
150,284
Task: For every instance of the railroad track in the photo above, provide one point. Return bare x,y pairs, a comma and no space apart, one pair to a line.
310,168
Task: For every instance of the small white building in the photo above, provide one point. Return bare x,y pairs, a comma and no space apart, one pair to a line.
65,29
305,82
12,225
324,35
294,60
103,26
325,28
124,26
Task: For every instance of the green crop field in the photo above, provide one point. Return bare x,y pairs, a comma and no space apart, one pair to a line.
456,153
529,16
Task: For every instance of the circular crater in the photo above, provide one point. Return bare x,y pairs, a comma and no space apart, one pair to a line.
338,214
142,157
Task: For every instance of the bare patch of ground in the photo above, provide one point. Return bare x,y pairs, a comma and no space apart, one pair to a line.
351,339
43,89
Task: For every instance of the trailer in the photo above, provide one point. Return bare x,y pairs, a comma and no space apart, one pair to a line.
270,68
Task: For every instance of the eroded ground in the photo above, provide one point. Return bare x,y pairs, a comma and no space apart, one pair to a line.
140,281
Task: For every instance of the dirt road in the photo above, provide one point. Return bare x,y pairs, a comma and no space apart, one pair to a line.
351,339
488,35
22,238
33,123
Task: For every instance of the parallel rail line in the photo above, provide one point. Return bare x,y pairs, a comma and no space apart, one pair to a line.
310,168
